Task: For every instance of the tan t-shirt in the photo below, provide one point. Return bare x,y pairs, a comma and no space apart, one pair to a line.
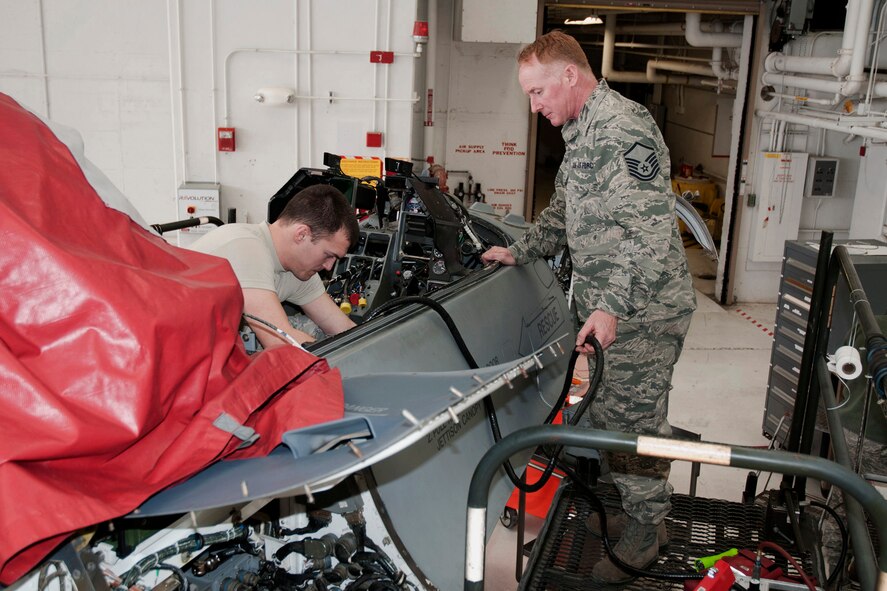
249,249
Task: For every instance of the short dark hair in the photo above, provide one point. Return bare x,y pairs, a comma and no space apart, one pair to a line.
555,46
324,209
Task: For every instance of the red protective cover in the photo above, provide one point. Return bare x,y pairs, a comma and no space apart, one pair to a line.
117,353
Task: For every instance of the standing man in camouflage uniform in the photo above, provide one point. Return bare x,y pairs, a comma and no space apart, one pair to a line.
614,208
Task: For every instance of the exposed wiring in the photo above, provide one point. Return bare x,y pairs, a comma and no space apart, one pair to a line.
192,543
846,398
554,461
177,572
839,564
598,506
488,404
45,577
781,551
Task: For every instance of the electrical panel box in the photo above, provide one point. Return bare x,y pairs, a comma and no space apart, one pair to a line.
822,174
779,186
197,200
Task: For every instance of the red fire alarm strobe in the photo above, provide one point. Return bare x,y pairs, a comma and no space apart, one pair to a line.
226,139
420,31
420,34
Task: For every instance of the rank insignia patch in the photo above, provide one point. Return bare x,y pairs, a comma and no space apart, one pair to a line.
642,162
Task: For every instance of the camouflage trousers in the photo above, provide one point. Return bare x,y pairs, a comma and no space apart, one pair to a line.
633,398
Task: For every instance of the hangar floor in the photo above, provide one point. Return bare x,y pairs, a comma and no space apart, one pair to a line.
720,384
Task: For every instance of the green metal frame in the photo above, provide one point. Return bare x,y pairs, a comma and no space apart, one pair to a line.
675,449
814,386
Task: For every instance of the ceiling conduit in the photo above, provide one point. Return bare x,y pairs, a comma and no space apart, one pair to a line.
692,30
873,132
678,66
834,66
844,74
610,73
698,38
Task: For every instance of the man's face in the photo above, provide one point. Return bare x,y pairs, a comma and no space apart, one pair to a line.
312,255
548,87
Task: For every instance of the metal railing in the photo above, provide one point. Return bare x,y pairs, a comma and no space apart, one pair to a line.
814,384
674,449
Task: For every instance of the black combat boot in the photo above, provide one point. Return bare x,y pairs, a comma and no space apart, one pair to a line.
637,547
616,523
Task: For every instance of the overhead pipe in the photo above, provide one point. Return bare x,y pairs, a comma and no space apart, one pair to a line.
835,66
697,73
677,66
634,45
849,65
717,40
874,132
857,77
719,85
698,38
808,100
682,58
874,69
697,33
717,65
607,70
652,29
430,74
836,87
717,60
233,52
818,84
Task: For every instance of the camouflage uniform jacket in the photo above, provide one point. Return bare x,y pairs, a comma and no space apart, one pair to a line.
614,206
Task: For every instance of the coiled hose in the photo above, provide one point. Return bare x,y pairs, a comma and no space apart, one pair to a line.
488,403
553,459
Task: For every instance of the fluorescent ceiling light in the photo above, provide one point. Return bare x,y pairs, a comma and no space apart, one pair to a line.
588,20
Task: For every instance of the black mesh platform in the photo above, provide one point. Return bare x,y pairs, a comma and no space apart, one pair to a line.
565,553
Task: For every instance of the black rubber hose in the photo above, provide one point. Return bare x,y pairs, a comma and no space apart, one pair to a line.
297,546
844,542
586,400
189,223
448,320
177,572
488,403
192,543
877,359
637,572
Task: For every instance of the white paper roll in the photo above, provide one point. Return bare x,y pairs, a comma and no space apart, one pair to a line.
847,363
